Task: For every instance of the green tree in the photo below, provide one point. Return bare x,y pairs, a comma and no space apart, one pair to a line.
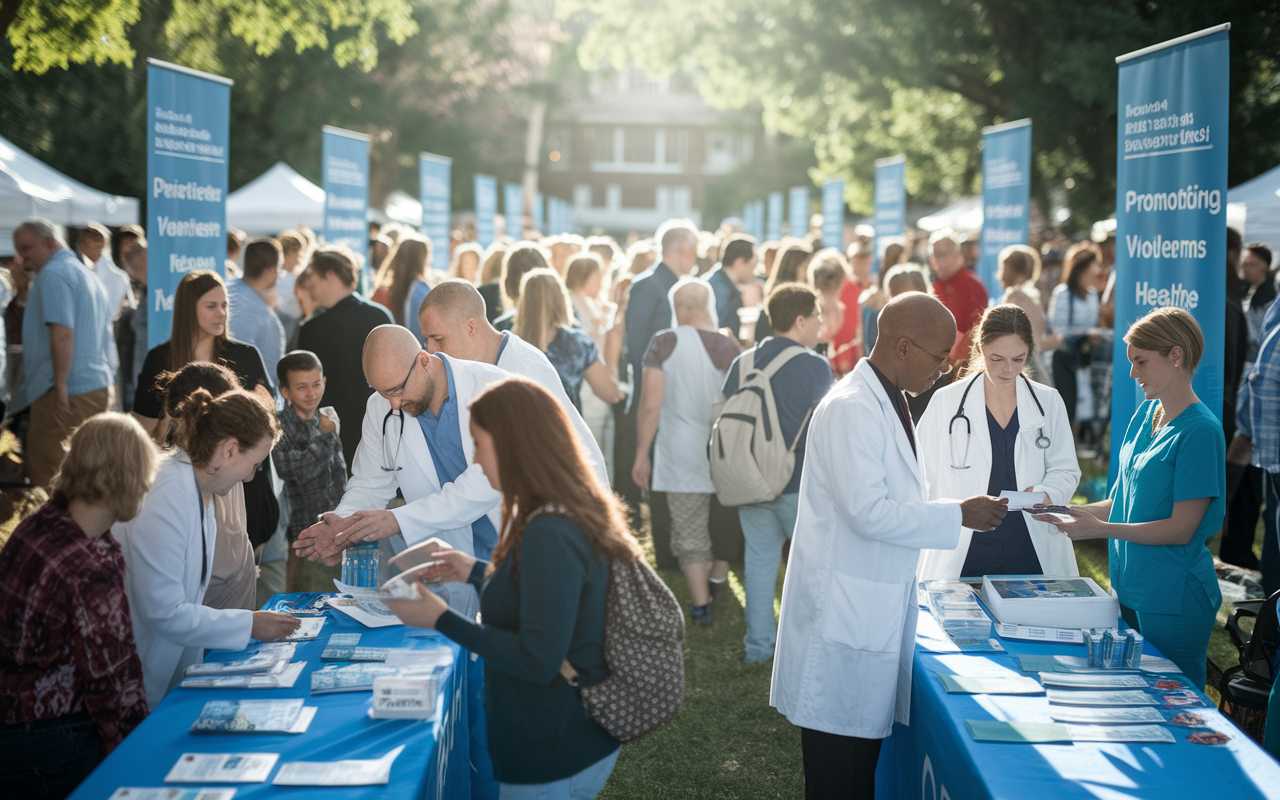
864,79
49,34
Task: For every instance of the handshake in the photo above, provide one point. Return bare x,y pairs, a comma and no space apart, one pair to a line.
326,539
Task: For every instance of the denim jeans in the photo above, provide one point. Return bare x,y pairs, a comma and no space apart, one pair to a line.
49,758
583,786
765,529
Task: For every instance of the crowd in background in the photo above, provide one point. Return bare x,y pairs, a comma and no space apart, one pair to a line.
265,380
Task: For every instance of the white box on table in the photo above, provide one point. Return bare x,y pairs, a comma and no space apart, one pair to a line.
1049,601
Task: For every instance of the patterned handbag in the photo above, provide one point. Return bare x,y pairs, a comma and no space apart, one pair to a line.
644,648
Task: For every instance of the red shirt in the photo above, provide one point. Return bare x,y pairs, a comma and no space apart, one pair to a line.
66,639
844,353
966,298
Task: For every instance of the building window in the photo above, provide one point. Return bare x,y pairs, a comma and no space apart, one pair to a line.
603,147
677,147
638,145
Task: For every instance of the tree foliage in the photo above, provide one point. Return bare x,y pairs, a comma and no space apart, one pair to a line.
866,79
453,87
49,34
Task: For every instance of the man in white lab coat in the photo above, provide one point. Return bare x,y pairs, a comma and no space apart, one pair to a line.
846,635
416,438
453,322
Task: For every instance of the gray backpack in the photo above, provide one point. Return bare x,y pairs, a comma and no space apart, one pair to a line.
750,460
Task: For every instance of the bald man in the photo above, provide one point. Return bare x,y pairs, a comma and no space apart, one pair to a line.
416,438
453,322
846,635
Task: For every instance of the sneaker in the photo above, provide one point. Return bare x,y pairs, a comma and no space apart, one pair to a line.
701,615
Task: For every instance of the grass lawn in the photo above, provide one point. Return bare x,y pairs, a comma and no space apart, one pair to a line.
727,742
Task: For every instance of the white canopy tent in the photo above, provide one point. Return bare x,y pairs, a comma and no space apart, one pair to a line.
963,216
1261,200
276,200
31,188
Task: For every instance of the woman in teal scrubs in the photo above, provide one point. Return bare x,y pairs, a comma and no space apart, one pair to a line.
1168,498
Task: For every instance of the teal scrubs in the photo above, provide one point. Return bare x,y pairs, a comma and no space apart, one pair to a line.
1170,592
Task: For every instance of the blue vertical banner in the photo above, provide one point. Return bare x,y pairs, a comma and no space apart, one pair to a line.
513,208
1006,195
188,116
799,211
345,177
486,193
757,220
435,176
538,218
1171,204
773,227
890,202
833,214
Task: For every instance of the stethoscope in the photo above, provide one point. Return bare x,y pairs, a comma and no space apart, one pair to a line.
389,456
1042,441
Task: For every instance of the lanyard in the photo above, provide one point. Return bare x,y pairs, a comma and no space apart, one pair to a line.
204,546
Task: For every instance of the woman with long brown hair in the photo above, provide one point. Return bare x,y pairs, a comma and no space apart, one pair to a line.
790,266
199,333
1073,311
542,598
489,281
994,431
404,276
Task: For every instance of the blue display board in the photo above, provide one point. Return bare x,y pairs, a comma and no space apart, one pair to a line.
753,219
1171,203
513,208
187,147
345,177
890,202
538,218
799,219
486,192
1006,194
773,226
833,214
435,174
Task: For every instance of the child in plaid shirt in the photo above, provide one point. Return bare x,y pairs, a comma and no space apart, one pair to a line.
309,461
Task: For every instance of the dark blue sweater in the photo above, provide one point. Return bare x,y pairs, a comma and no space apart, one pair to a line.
538,730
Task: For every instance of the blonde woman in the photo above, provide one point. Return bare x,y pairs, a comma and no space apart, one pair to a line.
465,263
604,322
545,320
1018,268
489,281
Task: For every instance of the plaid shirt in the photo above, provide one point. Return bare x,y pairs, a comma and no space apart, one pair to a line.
1258,406
311,465
66,637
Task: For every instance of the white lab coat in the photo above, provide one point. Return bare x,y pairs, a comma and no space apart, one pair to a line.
444,510
1054,470
161,548
846,636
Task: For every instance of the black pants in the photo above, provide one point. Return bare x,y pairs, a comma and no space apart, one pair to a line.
48,759
839,767
1245,491
1064,380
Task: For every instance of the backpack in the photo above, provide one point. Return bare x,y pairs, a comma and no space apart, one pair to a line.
750,461
644,648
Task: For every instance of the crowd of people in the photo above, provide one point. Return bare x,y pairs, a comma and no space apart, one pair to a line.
499,423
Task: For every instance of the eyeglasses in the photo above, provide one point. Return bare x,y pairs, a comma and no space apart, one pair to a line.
399,390
938,360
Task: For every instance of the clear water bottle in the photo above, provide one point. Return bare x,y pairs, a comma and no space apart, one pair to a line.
361,565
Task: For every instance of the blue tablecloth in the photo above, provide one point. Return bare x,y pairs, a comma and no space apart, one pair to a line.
434,764
934,757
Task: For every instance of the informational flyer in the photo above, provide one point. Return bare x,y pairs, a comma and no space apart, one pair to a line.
222,768
372,772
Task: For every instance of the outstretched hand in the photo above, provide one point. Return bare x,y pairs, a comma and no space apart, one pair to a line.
1077,524
320,540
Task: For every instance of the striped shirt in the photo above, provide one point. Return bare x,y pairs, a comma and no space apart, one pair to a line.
1258,405
65,292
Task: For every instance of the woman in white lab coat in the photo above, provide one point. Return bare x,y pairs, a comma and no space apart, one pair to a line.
999,431
169,547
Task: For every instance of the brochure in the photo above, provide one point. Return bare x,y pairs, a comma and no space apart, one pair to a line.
309,628
1042,663
1036,633
283,679
369,613
349,678
274,656
134,793
956,684
299,604
248,716
1067,697
372,772
1107,716
222,768
1095,680
1048,732
346,647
